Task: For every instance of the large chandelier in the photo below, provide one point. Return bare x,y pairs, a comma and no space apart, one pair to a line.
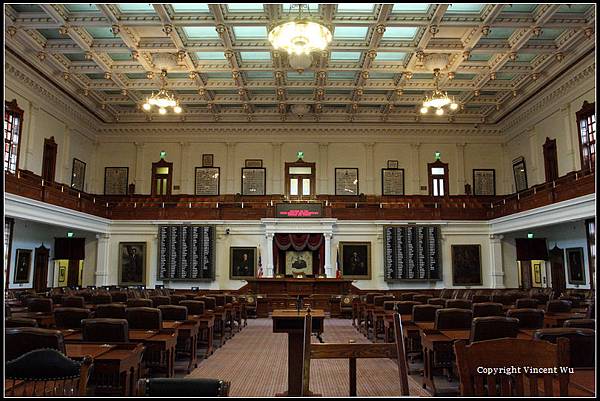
438,99
300,36
163,99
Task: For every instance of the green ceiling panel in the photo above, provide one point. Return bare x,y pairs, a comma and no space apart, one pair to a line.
27,8
178,75
381,75
574,8
120,56
135,8
410,8
345,56
255,56
465,8
390,56
75,56
549,34
479,57
245,7
250,32
136,75
519,8
190,8
463,76
200,32
504,76
96,75
296,76
350,32
81,8
100,32
218,75
400,33
341,75
422,75
52,34
259,75
355,8
526,57
500,33
201,56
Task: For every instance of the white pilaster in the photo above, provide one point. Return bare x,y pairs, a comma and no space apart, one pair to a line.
323,169
497,268
64,174
102,259
328,267
506,172
183,176
139,170
369,187
572,143
533,170
231,169
415,171
460,168
270,266
26,157
276,179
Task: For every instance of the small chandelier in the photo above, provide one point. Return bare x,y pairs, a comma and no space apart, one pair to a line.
162,99
300,36
438,99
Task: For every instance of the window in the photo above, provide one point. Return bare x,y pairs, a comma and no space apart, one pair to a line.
586,124
13,118
438,178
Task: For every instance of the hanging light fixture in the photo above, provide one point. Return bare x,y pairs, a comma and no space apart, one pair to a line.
438,99
301,35
163,99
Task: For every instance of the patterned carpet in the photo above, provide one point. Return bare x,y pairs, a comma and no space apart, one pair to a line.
255,362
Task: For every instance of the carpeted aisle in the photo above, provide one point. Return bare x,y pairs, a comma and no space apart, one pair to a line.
255,362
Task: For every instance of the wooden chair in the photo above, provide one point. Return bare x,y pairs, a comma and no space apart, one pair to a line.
111,311
176,387
523,303
528,318
70,318
173,312
484,309
558,306
159,300
437,301
139,302
144,318
20,322
43,305
176,299
459,303
492,327
102,298
73,302
105,330
581,323
510,352
47,373
193,307
353,351
20,340
582,344
346,305
421,298
119,296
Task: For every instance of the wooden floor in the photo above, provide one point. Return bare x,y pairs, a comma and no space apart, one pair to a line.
255,362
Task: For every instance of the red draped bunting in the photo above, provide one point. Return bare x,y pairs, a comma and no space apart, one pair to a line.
300,242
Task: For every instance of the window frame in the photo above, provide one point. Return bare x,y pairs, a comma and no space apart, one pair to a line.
587,110
12,108
439,164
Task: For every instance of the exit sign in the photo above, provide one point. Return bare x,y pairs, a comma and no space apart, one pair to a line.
287,210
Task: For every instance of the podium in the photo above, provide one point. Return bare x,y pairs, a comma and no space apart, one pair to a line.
291,321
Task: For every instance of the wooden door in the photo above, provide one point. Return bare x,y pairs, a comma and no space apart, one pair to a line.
40,269
162,176
73,273
550,160
300,180
526,281
49,159
557,270
438,178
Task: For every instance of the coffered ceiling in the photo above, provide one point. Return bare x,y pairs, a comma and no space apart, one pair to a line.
222,67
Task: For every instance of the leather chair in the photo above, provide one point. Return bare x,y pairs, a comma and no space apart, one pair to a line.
144,318
523,303
173,312
159,300
139,302
405,307
70,318
421,298
558,306
459,303
73,302
105,330
209,302
424,313
20,340
176,299
178,387
102,298
582,343
20,322
492,327
437,301
407,296
370,296
111,311
479,298
446,293
529,318
504,299
43,305
119,296
193,307
541,297
484,309
453,318
380,299
581,323
575,302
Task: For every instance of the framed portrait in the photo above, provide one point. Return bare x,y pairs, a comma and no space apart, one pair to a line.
520,174
254,180
208,160
115,180
298,262
62,274
466,265
242,262
253,163
575,265
537,274
22,266
484,182
392,181
132,263
356,260
346,181
78,175
392,164
207,181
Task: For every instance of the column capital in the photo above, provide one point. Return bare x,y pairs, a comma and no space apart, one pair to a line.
276,144
323,144
269,235
415,145
497,237
328,236
369,145
184,143
231,144
103,236
461,145
139,144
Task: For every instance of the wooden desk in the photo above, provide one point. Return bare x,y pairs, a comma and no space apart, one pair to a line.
80,350
187,331
292,323
558,319
582,383
122,362
206,332
44,320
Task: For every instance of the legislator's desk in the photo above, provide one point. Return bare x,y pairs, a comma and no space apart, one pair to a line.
292,322
300,286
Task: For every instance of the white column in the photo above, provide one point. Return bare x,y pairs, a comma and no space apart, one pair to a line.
328,267
460,168
92,176
572,142
27,138
276,180
370,173
506,172
139,170
270,266
64,174
496,265
183,175
534,176
231,169
415,171
102,259
323,169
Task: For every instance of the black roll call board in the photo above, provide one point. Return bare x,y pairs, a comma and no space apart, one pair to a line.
186,252
412,252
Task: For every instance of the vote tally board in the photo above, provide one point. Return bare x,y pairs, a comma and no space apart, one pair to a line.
412,252
186,252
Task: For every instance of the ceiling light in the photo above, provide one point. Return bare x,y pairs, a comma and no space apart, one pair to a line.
301,35
438,99
162,99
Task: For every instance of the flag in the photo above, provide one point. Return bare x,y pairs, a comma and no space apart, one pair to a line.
260,270
338,272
